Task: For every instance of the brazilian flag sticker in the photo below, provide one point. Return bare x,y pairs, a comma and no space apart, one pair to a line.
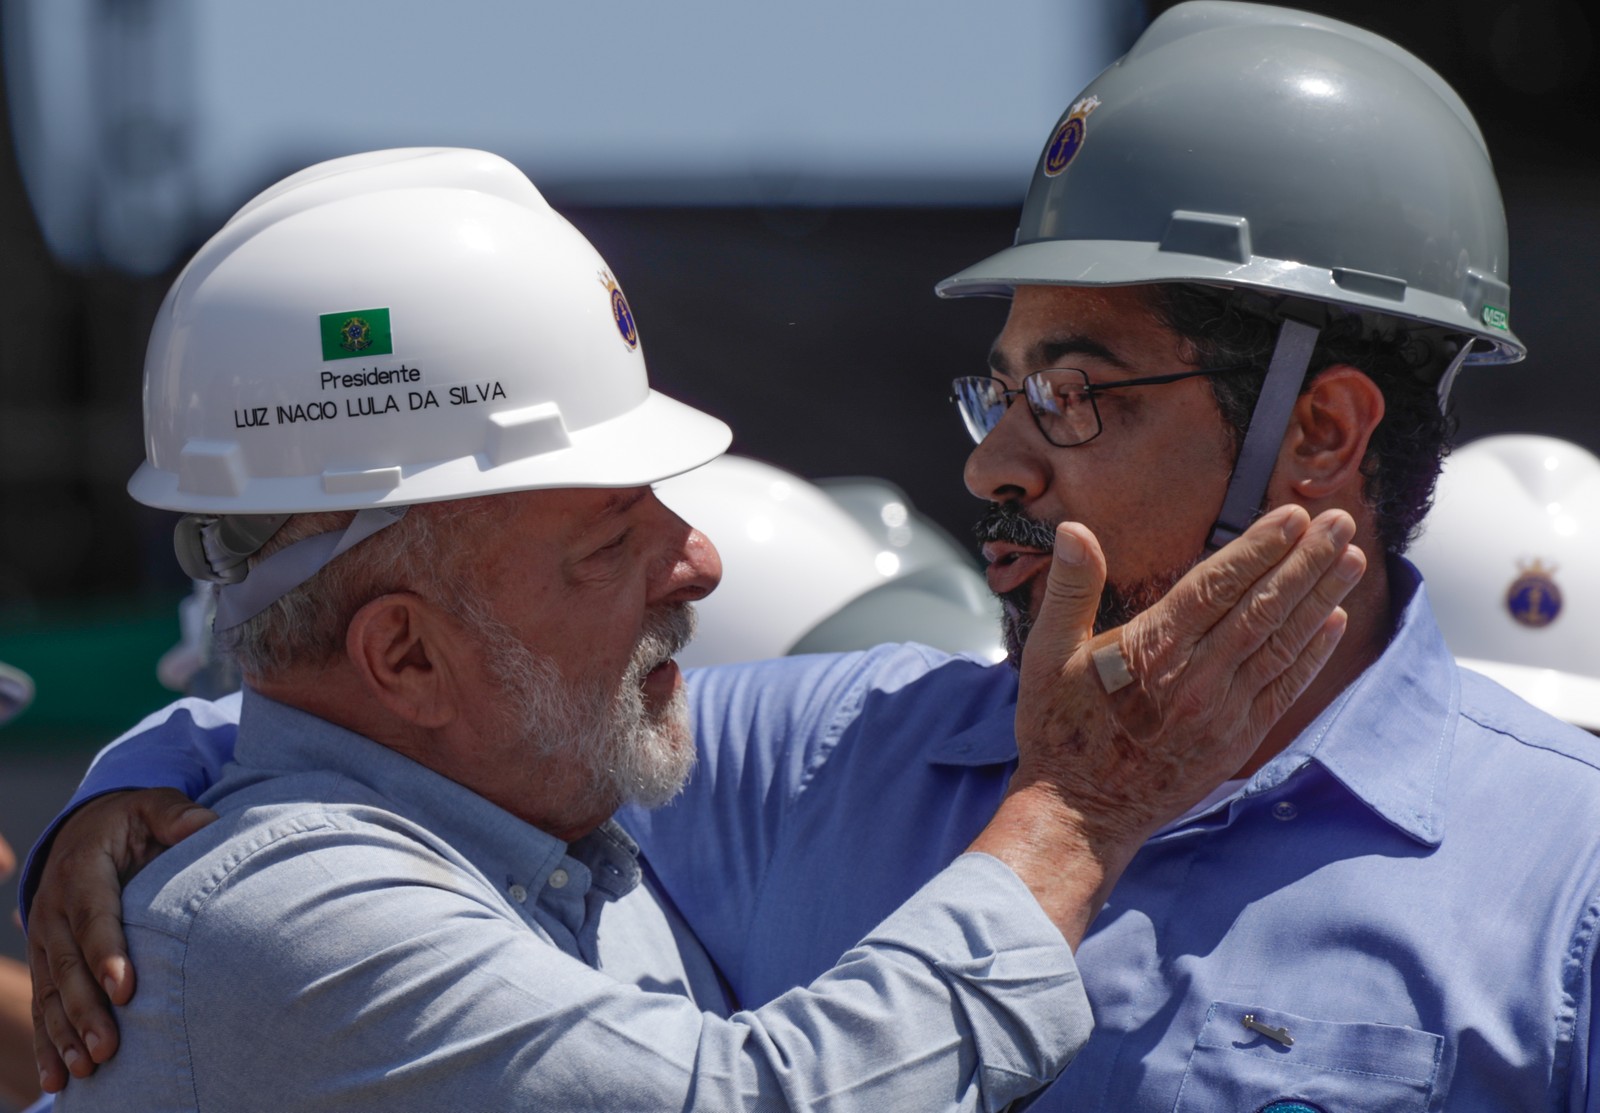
356,332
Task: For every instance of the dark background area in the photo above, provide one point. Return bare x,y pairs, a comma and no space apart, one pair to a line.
814,332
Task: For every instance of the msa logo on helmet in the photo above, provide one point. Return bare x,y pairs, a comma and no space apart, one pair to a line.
1533,597
620,311
1068,138
1495,317
356,332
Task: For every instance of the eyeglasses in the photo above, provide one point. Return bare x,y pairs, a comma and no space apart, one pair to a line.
1061,400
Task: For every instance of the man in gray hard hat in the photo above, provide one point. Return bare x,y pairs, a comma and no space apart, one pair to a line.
1254,255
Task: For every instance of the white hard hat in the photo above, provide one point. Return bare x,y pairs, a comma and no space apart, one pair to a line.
800,572
399,327
386,329
1511,556
16,692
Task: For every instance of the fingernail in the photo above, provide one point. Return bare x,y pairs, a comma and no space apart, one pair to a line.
1292,525
1069,549
1343,529
1350,565
70,1057
92,1042
110,986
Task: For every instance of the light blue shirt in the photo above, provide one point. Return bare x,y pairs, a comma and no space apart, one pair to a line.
357,932
1411,890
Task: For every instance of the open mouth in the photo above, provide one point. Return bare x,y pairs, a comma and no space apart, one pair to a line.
1011,566
660,682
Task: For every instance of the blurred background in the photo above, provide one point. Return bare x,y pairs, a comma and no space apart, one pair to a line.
777,187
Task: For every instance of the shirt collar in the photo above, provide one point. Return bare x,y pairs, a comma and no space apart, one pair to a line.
1387,737
276,740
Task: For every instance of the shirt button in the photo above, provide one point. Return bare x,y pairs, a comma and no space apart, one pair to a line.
1284,810
558,879
519,894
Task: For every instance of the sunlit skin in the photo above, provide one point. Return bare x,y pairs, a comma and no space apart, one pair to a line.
574,572
1150,485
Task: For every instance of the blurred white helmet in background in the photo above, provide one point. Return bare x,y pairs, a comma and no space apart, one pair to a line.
16,692
810,568
1511,555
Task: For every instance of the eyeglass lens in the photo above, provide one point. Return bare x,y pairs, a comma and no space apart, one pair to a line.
1059,399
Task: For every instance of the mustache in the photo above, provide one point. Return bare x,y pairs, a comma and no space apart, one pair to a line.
1006,521
665,634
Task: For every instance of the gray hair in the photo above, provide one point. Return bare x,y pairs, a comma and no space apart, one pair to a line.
420,553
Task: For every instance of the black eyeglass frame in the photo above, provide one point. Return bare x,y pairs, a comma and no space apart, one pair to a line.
1038,407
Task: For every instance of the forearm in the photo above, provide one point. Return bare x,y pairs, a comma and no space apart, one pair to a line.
966,998
1049,846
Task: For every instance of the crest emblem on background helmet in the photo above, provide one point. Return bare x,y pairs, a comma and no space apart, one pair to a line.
1533,597
1068,138
620,311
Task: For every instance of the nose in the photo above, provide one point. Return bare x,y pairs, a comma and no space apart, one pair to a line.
693,570
1008,465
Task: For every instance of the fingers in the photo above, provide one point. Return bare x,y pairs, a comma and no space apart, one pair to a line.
1071,597
8,859
74,933
1290,594
1301,644
52,1071
1211,590
171,816
1265,631
76,948
1279,694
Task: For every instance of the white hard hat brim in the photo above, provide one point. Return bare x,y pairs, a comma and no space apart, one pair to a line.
1575,699
657,439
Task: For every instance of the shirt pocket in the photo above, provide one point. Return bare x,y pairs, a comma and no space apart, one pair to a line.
1334,1067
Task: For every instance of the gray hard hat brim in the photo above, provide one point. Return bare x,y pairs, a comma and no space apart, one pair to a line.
1131,263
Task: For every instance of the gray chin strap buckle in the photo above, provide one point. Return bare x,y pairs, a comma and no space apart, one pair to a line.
216,547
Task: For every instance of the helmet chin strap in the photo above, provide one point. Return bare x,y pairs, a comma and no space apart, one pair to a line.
1264,437
289,567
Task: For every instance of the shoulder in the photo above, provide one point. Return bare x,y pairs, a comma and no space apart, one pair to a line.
187,717
291,848
831,683
1498,718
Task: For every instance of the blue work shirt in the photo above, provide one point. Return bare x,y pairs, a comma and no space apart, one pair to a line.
358,932
1411,890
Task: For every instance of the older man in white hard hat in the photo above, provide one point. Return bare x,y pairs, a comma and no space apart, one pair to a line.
402,405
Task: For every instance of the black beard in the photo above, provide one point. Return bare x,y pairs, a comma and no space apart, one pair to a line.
1119,603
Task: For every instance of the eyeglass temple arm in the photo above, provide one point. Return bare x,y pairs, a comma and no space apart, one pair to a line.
1262,440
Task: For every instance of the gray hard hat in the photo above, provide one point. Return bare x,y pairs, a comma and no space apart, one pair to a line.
1280,152
1254,146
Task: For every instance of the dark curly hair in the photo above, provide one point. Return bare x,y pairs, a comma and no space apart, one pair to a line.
1225,328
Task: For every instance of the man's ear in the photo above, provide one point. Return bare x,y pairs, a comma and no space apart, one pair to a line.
401,649
1328,435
